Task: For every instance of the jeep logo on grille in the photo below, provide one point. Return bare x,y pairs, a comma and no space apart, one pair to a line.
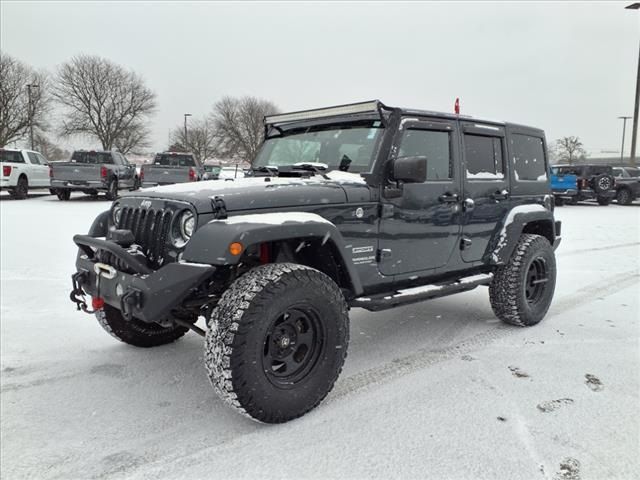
145,203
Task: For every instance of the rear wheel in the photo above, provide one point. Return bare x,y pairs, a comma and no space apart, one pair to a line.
277,341
112,189
604,201
521,291
136,332
623,196
22,188
559,201
63,195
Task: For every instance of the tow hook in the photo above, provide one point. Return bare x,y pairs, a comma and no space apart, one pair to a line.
77,294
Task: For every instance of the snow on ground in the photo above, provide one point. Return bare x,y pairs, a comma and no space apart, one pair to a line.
438,390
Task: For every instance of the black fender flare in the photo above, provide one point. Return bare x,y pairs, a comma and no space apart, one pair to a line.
515,223
210,243
99,228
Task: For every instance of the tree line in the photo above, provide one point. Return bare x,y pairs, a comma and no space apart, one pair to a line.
100,100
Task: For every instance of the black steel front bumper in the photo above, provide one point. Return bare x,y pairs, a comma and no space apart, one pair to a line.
148,295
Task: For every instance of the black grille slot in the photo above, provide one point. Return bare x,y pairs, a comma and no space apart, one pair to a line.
151,229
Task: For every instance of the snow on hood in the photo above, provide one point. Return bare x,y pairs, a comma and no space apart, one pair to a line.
194,188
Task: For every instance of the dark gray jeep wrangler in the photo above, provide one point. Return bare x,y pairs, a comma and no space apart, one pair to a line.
358,205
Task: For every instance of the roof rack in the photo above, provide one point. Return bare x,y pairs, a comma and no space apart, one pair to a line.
371,106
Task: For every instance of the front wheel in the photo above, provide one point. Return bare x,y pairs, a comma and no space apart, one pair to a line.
521,291
136,332
277,341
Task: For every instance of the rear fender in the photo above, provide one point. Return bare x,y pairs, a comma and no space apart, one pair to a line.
521,219
210,243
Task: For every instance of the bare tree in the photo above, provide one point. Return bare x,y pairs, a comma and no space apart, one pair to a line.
569,149
201,139
239,125
17,113
49,149
104,101
133,139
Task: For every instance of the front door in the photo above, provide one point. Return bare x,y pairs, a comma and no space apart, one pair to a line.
486,187
420,224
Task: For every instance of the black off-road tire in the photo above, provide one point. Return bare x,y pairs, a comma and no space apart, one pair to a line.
604,201
603,183
53,191
243,332
624,197
136,184
112,189
136,332
63,195
509,289
559,201
22,188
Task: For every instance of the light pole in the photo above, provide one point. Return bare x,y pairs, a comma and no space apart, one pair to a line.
634,134
624,127
31,112
185,129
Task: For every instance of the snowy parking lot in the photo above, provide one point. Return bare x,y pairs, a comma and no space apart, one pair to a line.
438,390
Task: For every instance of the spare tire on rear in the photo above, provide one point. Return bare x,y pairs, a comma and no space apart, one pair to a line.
603,183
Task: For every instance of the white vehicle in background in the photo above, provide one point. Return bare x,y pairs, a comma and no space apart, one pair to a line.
22,170
227,173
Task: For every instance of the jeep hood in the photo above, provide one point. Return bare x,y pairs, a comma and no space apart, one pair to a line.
264,192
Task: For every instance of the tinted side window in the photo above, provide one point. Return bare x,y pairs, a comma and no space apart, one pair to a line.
528,158
435,145
33,158
43,161
484,156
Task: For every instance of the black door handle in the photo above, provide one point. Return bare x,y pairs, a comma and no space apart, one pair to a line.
500,195
449,198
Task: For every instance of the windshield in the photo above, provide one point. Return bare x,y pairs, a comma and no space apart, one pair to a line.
91,157
347,147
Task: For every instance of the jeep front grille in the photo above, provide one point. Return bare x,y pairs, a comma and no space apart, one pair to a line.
151,229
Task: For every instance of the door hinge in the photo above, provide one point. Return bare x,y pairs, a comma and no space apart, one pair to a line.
465,243
382,253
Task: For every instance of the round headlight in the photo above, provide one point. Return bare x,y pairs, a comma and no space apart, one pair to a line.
116,213
187,224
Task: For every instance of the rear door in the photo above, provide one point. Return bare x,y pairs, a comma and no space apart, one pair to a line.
36,171
420,224
486,186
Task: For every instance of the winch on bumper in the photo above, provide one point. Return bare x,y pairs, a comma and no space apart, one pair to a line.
146,294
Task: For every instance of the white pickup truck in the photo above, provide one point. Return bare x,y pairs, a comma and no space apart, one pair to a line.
23,170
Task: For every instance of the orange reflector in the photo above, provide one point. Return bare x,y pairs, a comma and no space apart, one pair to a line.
235,248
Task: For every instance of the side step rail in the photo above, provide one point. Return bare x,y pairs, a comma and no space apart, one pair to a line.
383,301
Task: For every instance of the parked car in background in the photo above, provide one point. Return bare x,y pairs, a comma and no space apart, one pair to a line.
627,184
172,167
211,172
93,171
23,170
563,186
227,173
594,182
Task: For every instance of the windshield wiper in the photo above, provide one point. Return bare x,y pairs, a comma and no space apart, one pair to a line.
310,167
273,172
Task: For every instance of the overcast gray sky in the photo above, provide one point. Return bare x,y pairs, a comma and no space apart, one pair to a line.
568,68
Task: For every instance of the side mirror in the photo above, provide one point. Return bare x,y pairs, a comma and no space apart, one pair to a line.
410,169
